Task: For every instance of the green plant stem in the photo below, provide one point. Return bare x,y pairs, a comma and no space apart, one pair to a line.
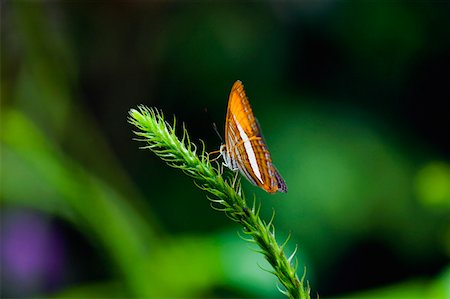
160,137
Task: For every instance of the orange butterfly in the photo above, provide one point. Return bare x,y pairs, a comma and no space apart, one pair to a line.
245,148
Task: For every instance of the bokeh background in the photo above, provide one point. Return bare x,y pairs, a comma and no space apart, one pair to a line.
352,97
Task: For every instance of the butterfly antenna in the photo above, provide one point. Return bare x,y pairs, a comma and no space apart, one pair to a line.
217,132
214,125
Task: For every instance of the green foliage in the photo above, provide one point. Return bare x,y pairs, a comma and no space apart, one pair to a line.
224,195
140,257
364,176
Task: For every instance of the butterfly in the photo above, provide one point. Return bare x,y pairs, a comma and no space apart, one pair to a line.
245,149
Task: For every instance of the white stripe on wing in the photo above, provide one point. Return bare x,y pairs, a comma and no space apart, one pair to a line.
249,150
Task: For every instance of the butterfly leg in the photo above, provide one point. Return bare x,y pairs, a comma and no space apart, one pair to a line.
221,168
235,179
213,153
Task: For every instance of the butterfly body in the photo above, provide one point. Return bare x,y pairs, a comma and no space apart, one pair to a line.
245,149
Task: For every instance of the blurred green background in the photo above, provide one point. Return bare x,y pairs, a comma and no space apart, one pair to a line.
353,101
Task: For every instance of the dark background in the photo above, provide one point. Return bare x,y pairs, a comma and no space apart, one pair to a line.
352,98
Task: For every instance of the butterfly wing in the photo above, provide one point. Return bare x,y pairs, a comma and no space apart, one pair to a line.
239,107
246,146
